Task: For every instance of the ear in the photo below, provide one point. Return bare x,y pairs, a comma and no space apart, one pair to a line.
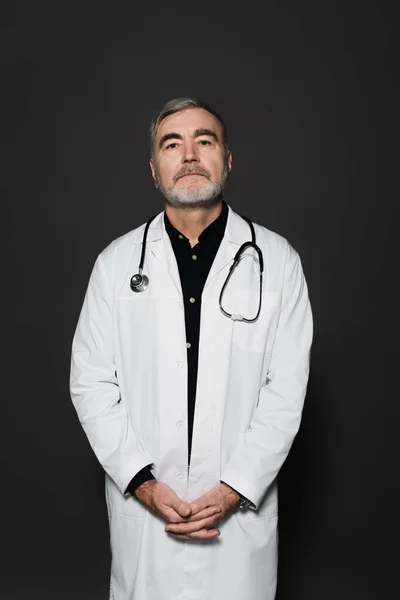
229,160
153,172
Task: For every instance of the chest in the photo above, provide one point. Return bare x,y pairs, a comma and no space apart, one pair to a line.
156,317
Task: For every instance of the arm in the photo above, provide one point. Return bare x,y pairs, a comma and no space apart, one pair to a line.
94,386
264,446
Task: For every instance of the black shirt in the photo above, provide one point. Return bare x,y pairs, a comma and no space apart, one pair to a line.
194,265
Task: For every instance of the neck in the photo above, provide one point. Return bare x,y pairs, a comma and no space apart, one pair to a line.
193,221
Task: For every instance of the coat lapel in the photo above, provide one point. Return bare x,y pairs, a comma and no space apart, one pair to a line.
160,246
236,233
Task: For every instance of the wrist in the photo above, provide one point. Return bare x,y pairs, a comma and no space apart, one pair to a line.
233,494
145,488
240,500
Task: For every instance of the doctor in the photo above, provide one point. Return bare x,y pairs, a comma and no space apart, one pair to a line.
191,412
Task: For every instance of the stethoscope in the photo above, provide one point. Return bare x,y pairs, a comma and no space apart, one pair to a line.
140,282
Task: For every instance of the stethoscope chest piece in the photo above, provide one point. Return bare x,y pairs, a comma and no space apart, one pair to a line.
139,282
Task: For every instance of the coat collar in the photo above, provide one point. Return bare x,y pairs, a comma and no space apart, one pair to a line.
158,243
236,231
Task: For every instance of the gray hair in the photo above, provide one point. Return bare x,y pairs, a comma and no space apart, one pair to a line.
176,105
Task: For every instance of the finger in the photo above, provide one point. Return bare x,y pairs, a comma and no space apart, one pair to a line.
201,503
180,506
202,534
184,509
205,533
179,536
192,526
169,514
203,514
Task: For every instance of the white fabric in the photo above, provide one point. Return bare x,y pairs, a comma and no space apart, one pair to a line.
129,388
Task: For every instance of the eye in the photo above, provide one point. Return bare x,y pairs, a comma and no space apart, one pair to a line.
204,142
171,145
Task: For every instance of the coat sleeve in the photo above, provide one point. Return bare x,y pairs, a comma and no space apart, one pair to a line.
94,385
264,446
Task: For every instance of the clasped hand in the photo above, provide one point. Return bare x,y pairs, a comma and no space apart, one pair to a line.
197,519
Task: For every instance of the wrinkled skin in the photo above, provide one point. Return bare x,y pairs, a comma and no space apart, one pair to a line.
197,519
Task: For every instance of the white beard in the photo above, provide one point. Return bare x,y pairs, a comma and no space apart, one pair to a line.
194,196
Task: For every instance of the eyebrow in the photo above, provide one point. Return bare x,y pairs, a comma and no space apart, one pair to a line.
203,131
197,133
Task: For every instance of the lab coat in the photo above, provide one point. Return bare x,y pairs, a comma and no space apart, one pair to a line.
129,388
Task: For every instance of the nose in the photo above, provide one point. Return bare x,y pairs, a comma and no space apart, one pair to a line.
189,154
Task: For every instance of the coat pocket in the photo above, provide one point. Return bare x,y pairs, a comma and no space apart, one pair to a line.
125,544
118,504
259,335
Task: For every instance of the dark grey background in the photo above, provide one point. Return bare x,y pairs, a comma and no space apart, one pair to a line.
309,92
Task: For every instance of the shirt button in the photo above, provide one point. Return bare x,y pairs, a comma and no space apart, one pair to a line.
181,476
180,304
188,345
194,256
192,299
179,363
179,423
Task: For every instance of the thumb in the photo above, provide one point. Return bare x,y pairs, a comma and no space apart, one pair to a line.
184,509
181,507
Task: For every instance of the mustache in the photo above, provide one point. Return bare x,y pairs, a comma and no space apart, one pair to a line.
197,170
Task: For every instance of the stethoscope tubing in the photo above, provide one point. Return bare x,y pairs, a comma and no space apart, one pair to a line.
140,282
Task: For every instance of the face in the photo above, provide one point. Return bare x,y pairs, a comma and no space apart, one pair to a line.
189,164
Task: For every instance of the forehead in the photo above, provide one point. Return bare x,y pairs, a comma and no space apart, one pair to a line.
189,120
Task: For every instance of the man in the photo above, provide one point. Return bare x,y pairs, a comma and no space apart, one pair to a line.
190,408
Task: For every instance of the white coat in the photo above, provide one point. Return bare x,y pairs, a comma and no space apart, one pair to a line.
129,388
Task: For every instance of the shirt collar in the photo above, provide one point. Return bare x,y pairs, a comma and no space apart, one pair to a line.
215,230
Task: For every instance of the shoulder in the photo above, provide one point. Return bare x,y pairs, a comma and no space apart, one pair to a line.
270,241
279,255
122,247
274,245
117,255
277,249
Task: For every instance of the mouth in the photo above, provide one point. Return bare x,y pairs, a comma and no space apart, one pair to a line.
192,175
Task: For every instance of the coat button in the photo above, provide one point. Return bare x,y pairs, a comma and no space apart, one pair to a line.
191,300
